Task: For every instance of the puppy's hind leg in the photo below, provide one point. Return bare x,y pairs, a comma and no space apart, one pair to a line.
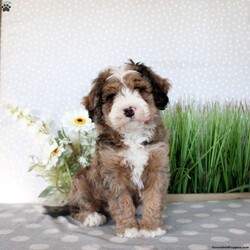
82,196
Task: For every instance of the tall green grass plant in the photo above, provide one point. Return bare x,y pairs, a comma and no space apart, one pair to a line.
209,147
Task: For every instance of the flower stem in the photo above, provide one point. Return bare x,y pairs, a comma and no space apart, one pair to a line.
57,183
79,141
68,171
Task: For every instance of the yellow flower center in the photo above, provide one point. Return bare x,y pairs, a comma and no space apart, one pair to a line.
54,152
80,120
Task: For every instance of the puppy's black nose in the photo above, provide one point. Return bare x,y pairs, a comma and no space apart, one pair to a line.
129,112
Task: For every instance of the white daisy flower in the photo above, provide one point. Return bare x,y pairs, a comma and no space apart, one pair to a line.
51,153
55,156
77,120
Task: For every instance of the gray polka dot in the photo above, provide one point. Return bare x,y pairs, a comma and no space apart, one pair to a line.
38,246
234,205
237,231
19,220
202,215
189,233
219,210
6,215
243,214
70,238
51,231
198,247
20,238
5,231
169,239
119,240
96,232
180,211
91,247
196,206
144,247
209,225
184,221
220,239
227,219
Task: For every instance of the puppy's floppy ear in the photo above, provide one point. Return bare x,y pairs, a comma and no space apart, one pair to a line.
93,101
90,102
160,85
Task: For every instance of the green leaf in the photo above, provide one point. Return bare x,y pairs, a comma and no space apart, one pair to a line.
31,167
75,167
238,189
60,134
46,192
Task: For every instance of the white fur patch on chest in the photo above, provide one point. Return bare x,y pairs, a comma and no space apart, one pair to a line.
137,155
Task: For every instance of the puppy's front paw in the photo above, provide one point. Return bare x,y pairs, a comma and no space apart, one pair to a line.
152,233
94,219
129,233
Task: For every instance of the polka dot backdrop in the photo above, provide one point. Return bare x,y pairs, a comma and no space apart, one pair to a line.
51,51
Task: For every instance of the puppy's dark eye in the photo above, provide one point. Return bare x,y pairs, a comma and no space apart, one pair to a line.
109,97
140,89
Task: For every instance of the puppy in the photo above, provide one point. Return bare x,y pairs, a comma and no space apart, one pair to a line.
130,165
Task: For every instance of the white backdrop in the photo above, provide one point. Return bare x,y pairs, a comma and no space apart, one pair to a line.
51,50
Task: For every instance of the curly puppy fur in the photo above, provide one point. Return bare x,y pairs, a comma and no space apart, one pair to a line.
130,165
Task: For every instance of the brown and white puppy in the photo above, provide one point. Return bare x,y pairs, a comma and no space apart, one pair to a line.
130,165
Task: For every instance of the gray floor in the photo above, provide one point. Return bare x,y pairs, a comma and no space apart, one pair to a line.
191,225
